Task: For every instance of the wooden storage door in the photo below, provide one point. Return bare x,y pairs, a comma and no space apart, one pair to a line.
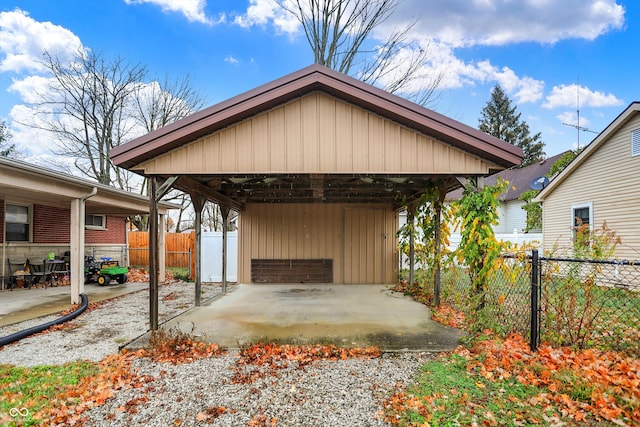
364,238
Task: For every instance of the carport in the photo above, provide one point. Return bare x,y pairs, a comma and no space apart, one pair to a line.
317,165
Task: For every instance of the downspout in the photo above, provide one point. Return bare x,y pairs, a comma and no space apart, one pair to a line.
94,191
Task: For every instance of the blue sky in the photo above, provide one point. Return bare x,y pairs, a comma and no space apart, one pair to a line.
537,50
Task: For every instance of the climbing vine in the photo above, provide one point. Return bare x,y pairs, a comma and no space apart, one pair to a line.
479,249
431,230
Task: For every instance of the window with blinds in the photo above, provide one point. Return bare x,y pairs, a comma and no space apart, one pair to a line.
635,142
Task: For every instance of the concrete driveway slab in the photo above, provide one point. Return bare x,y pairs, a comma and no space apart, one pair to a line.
23,304
347,315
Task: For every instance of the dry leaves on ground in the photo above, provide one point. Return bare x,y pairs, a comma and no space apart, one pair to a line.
116,373
449,316
612,378
580,385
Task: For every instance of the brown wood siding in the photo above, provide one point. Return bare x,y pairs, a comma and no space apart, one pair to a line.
609,179
364,245
317,231
317,134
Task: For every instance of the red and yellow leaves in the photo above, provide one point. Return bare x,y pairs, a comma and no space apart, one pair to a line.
610,380
570,385
448,316
176,347
274,357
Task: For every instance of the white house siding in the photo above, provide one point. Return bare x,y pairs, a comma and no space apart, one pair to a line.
610,180
512,217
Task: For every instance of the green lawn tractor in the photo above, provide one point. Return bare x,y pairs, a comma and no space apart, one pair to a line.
105,271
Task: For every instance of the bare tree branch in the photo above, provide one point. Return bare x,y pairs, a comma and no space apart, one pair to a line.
338,30
87,109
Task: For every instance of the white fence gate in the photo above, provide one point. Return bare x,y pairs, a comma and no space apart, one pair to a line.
211,267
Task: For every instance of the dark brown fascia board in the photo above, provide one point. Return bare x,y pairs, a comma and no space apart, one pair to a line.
309,79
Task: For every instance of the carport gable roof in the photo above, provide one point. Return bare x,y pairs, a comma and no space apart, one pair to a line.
302,82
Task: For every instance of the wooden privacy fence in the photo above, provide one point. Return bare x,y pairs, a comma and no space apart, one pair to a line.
179,248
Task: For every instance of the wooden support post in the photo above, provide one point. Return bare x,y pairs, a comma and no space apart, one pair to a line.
198,204
442,192
411,213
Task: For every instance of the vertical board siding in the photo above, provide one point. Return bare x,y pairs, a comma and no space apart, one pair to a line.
317,134
260,143
609,179
309,136
376,152
276,133
360,139
344,124
292,131
327,134
321,231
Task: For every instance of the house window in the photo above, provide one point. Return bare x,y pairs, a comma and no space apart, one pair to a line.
17,223
95,221
582,218
635,142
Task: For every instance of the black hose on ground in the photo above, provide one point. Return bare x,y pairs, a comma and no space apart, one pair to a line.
35,329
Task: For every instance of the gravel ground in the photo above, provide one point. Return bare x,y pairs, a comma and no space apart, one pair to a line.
324,393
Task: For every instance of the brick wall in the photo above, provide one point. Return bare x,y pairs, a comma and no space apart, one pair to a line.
53,225
115,233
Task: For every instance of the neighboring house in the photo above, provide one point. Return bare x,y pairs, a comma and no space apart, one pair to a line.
600,185
513,219
43,211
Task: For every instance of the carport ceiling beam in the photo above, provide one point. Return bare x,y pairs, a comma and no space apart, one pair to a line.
190,185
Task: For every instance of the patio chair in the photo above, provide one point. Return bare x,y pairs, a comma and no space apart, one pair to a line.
38,272
19,270
58,268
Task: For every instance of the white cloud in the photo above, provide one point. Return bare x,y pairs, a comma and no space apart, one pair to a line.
265,12
497,22
231,60
571,118
30,88
444,26
456,74
23,41
26,133
193,10
567,96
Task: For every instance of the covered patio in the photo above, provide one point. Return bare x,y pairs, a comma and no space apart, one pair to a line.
318,165
57,208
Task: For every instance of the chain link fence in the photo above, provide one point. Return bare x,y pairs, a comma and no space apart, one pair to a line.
503,305
582,303
590,303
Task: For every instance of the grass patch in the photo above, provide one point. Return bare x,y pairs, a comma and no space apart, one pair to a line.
179,273
496,382
454,396
30,389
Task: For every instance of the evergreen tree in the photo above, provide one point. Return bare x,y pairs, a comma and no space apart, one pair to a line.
500,119
7,149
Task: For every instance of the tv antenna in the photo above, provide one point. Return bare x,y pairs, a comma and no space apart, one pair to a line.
577,126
